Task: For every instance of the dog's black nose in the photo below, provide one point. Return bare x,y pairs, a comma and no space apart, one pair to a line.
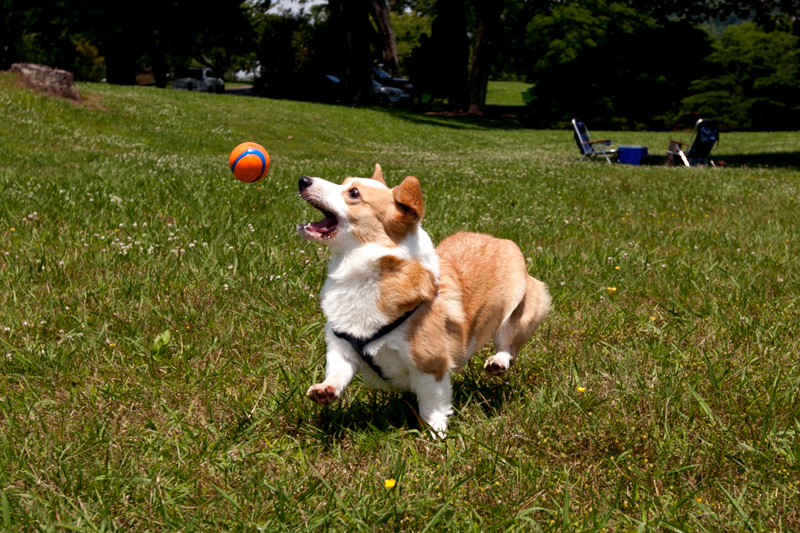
305,182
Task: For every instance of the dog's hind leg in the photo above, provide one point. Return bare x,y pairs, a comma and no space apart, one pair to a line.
518,328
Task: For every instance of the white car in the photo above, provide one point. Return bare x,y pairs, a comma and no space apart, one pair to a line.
385,95
198,79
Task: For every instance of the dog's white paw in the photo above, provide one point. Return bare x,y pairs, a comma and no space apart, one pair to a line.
497,365
438,428
322,394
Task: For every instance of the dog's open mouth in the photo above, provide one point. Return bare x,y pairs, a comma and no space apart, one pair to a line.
324,229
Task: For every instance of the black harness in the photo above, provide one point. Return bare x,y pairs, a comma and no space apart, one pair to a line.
359,344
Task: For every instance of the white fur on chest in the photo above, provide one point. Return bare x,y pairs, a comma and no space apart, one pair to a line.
351,291
350,299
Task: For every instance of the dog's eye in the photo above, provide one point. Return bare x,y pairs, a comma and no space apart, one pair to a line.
353,193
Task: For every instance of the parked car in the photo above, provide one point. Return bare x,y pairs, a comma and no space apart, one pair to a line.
198,79
315,87
383,77
386,95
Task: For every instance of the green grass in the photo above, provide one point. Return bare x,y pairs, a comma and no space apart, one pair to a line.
506,93
661,394
237,84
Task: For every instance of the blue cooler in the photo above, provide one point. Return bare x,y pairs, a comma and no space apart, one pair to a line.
631,155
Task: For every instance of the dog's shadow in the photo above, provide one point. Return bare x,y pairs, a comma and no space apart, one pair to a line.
383,410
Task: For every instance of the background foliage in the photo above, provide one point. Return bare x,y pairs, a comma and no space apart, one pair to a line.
619,65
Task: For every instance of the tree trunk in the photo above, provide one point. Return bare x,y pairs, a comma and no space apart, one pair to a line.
380,10
159,65
351,27
488,14
120,66
451,46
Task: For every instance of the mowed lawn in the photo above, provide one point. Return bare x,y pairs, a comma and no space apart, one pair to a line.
661,393
506,93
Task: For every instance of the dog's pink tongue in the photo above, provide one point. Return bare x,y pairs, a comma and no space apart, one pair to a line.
325,225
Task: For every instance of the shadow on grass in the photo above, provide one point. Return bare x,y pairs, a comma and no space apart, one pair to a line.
773,159
389,410
494,117
767,160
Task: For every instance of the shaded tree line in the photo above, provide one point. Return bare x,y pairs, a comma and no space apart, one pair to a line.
624,64
117,40
622,67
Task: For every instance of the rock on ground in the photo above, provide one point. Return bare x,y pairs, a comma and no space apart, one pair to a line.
47,79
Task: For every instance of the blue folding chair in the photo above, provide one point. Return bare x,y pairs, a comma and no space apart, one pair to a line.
587,146
705,136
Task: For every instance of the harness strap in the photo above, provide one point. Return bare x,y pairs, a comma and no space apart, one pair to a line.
359,344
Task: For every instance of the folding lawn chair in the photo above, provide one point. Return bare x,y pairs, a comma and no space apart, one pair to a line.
705,136
587,146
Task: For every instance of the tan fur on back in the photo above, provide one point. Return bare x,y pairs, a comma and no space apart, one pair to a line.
482,281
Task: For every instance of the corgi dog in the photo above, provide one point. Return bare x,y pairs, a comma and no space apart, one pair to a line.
403,312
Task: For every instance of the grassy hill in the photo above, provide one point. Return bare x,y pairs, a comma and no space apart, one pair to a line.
661,394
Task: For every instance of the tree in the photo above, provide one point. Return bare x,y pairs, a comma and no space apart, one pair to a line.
352,30
447,74
600,62
487,28
408,29
160,33
754,81
380,11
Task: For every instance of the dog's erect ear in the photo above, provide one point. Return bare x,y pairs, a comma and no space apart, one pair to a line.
378,174
409,195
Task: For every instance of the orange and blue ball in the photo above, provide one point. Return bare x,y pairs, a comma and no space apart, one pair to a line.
249,162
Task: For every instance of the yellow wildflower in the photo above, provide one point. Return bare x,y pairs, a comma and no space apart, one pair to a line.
581,389
389,483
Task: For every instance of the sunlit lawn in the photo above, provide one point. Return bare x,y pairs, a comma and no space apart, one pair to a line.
661,394
506,93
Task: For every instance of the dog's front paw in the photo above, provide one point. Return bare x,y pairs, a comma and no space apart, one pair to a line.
496,365
438,430
322,394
